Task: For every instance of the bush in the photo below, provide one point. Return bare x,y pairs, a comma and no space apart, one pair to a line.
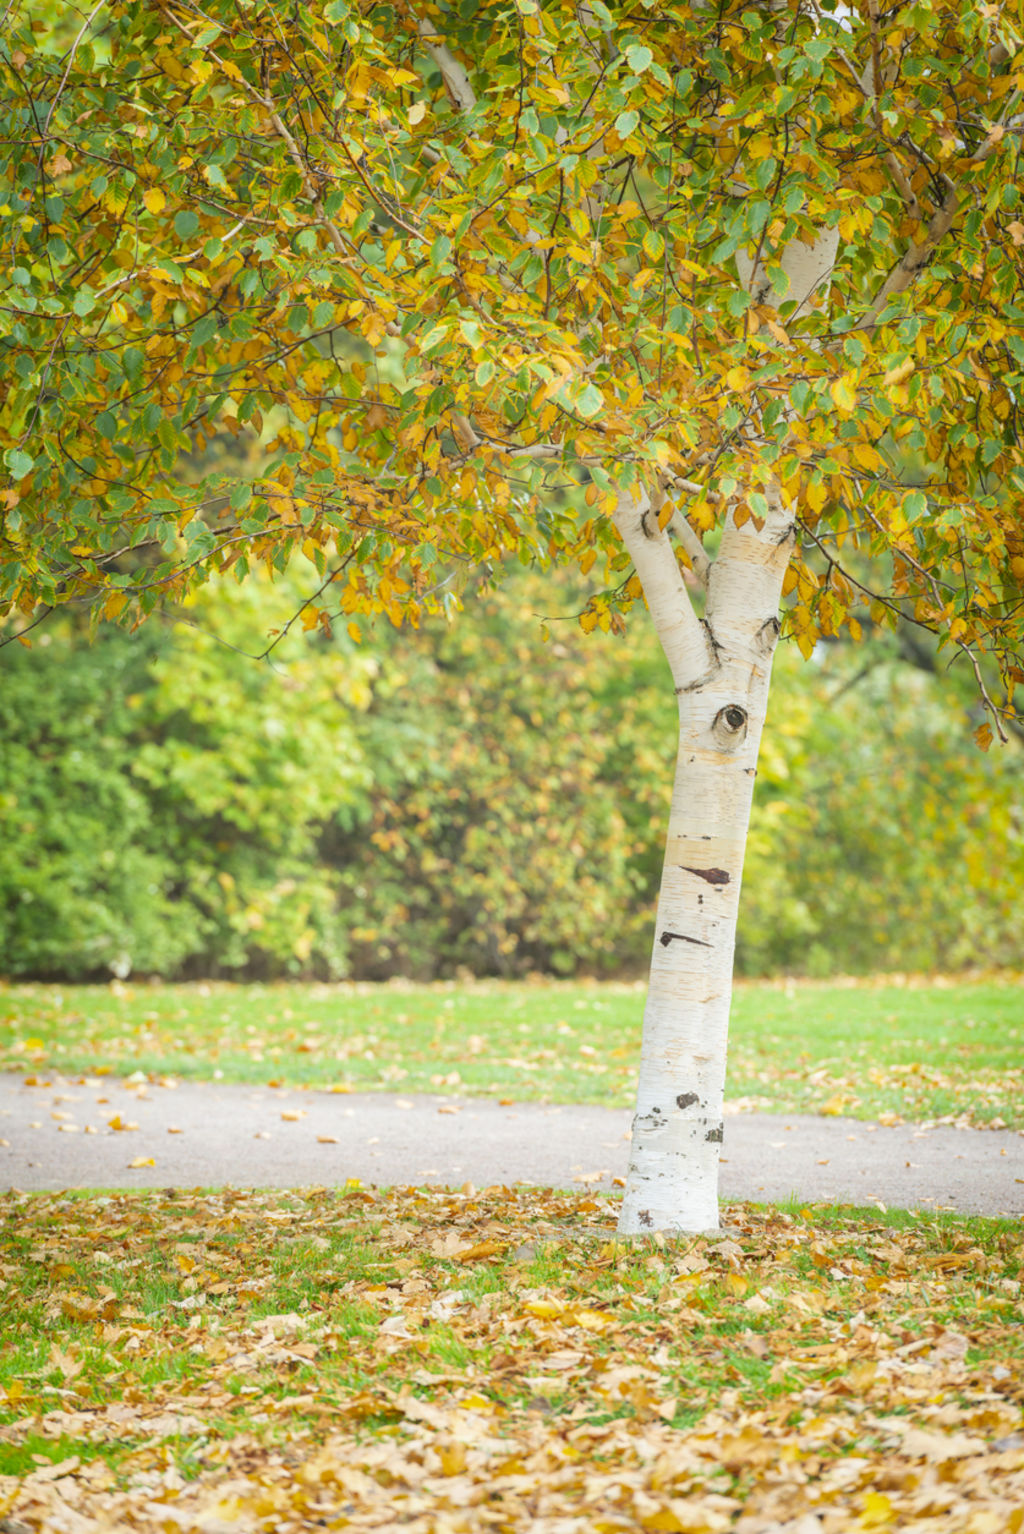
471,798
163,796
504,837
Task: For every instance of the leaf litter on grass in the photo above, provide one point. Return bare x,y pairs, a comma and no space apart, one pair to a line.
924,1048
497,1360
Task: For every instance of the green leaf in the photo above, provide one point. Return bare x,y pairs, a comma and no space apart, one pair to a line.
589,402
170,269
653,244
638,58
18,462
186,222
204,329
625,123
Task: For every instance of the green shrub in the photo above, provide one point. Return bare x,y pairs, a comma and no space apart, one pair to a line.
83,888
470,798
503,837
162,798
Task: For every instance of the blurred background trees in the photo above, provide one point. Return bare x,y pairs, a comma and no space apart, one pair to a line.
452,798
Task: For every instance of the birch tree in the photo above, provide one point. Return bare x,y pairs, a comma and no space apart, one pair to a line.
720,303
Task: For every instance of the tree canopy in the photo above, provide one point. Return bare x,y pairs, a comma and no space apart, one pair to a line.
453,277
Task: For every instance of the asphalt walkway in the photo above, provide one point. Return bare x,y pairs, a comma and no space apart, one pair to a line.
100,1133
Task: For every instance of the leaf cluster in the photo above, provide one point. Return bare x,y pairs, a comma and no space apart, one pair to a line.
441,268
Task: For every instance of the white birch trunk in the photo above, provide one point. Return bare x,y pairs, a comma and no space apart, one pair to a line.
721,669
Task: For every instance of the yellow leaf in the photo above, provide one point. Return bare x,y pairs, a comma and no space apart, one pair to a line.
844,394
663,1520
142,1161
866,455
545,1310
878,1510
738,380
983,736
590,1320
816,494
479,1250
154,199
588,621
899,372
453,1458
416,113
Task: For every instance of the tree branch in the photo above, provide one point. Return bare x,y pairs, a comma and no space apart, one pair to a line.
916,257
687,648
452,73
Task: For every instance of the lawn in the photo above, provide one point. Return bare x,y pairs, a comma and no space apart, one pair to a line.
927,1050
496,1360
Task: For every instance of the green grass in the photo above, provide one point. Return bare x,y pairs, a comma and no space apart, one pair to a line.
145,1331
928,1050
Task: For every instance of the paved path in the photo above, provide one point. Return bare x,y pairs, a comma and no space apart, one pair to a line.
68,1133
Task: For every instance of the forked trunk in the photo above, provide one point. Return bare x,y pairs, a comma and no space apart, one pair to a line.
721,666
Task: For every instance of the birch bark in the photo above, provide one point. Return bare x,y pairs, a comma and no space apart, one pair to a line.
721,668
721,676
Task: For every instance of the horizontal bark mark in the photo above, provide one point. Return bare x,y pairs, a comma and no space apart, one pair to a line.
710,875
666,938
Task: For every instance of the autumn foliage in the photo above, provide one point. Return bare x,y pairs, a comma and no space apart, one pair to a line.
462,276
